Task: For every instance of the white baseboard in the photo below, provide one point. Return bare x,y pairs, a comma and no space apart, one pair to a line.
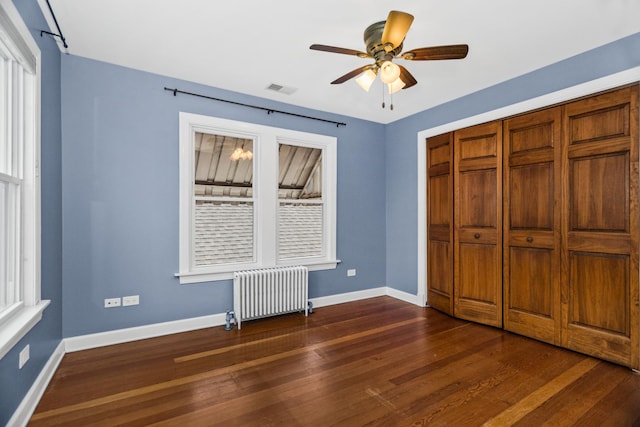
418,300
28,405
119,336
368,293
348,297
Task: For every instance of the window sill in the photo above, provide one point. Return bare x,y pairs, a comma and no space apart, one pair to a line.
15,328
199,277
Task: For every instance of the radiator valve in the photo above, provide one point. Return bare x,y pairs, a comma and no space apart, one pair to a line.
231,317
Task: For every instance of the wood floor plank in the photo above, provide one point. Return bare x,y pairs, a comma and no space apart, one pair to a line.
541,395
378,362
451,386
564,407
619,407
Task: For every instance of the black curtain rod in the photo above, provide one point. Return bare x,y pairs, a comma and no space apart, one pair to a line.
268,110
55,20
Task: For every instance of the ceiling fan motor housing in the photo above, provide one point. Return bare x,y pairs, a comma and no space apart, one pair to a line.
375,48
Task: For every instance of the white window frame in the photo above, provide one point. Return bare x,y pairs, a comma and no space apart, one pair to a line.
265,189
18,318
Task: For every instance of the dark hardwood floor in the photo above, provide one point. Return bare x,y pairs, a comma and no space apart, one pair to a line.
377,362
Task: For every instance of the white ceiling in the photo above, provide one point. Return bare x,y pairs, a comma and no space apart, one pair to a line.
245,46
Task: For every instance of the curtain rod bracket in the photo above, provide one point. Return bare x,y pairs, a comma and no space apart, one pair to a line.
64,42
268,110
55,21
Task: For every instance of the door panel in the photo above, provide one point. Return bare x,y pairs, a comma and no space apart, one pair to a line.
439,275
477,270
602,278
598,122
531,195
598,198
440,222
531,268
478,223
600,291
477,198
439,200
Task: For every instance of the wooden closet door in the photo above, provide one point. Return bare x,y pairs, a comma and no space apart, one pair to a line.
440,222
532,191
478,223
600,292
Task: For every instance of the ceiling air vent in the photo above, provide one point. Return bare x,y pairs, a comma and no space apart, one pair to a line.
287,90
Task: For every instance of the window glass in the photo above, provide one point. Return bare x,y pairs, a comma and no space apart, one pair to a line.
223,197
5,292
300,214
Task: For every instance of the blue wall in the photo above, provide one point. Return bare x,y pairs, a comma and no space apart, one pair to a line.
401,147
120,196
46,335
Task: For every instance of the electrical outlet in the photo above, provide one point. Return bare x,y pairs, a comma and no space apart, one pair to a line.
351,272
24,357
131,300
111,302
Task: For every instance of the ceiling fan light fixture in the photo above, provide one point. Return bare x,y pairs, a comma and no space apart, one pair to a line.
366,79
396,85
389,72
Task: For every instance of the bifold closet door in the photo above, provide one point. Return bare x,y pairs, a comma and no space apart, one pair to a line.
600,291
532,192
478,223
440,222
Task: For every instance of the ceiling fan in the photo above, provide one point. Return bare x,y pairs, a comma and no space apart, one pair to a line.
383,41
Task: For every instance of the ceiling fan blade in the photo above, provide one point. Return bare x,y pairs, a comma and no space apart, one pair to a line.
396,28
454,51
351,74
342,50
407,78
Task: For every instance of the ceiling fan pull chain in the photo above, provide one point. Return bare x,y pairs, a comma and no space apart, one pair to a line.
391,102
383,95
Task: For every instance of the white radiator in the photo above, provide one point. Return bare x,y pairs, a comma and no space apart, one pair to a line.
270,291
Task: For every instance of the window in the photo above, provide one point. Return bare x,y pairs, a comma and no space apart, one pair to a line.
20,305
253,196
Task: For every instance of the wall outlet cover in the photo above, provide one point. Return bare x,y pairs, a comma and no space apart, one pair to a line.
131,300
24,357
111,302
